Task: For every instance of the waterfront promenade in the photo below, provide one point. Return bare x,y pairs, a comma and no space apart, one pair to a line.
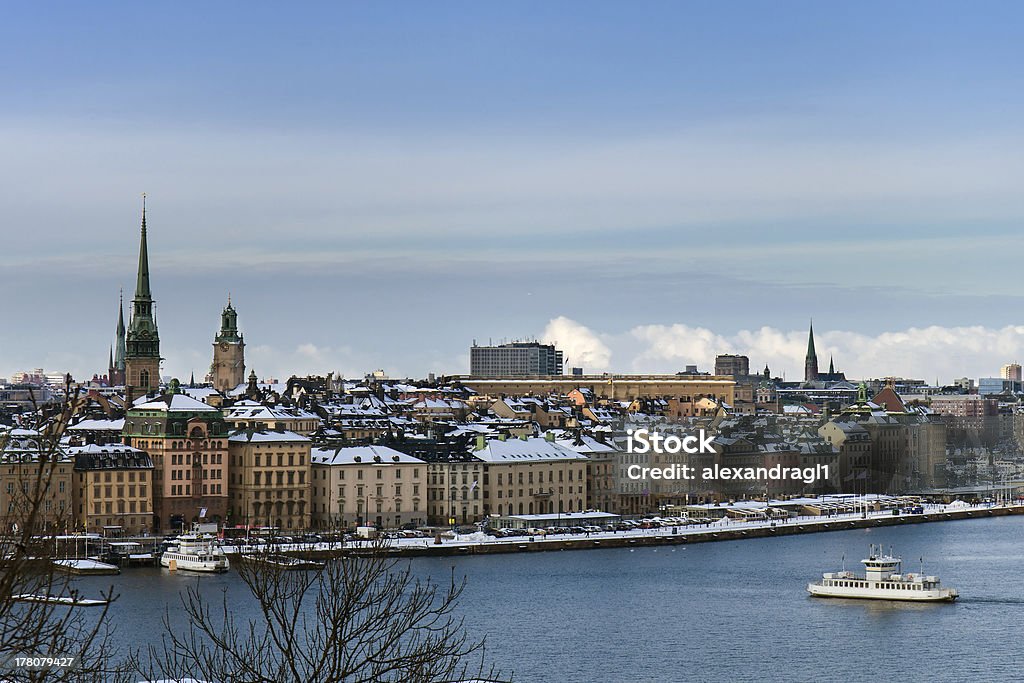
478,543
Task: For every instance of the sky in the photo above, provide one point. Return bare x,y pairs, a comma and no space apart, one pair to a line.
377,185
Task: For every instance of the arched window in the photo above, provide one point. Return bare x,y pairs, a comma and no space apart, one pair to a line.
144,378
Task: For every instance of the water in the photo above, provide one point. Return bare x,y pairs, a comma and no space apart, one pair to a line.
727,611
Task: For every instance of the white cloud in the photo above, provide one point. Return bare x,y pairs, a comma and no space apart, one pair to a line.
581,346
924,353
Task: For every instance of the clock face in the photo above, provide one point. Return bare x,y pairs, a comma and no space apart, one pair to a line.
223,346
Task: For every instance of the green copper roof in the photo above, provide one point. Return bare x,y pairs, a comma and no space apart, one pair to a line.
810,344
142,290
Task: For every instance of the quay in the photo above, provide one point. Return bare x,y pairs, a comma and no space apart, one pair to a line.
731,530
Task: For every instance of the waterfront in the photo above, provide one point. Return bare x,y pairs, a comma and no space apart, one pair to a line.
734,610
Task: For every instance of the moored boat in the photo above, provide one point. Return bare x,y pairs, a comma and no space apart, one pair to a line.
85,566
196,552
64,600
285,561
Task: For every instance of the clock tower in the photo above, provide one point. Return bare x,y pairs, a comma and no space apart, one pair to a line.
228,368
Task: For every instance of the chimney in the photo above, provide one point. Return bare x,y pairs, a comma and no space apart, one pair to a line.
549,436
481,442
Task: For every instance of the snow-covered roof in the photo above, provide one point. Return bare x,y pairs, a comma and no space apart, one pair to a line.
586,444
97,425
247,410
517,450
270,436
361,455
176,403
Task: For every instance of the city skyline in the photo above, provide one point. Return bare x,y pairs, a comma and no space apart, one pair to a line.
646,189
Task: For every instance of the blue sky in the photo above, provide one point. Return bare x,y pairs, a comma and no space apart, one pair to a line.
378,184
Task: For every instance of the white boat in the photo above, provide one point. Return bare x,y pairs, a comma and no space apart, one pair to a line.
883,580
196,552
60,600
86,566
285,562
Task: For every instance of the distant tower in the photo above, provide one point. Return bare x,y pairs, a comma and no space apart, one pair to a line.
228,368
811,361
116,373
142,343
1011,371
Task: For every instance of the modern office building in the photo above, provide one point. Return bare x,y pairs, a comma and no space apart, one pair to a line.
1011,371
517,359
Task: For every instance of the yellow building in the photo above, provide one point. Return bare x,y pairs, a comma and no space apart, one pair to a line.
112,486
507,476
270,479
611,387
531,476
24,473
361,485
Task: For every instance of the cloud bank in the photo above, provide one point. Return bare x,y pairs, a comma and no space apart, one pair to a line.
929,353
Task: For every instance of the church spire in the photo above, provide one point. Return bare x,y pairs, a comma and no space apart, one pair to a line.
831,366
142,341
811,360
119,349
142,290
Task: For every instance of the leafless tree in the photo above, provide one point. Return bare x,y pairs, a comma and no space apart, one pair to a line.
34,511
356,618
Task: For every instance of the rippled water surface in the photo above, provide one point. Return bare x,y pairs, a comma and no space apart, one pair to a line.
727,611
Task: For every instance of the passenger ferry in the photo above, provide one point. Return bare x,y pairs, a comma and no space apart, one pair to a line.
196,552
883,580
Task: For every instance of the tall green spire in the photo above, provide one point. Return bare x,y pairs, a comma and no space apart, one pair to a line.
143,340
811,361
120,349
142,290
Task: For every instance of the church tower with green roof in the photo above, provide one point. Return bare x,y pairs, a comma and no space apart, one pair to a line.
142,341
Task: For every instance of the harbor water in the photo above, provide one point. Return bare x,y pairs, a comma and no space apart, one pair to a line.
725,611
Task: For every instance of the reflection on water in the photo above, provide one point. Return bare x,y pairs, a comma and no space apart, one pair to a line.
727,611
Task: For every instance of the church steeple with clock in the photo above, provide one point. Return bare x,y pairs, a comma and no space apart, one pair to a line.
228,368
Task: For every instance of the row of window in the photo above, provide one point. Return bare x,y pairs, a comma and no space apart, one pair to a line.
108,491
267,478
378,470
24,487
187,458
186,489
107,476
99,508
380,491
179,475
